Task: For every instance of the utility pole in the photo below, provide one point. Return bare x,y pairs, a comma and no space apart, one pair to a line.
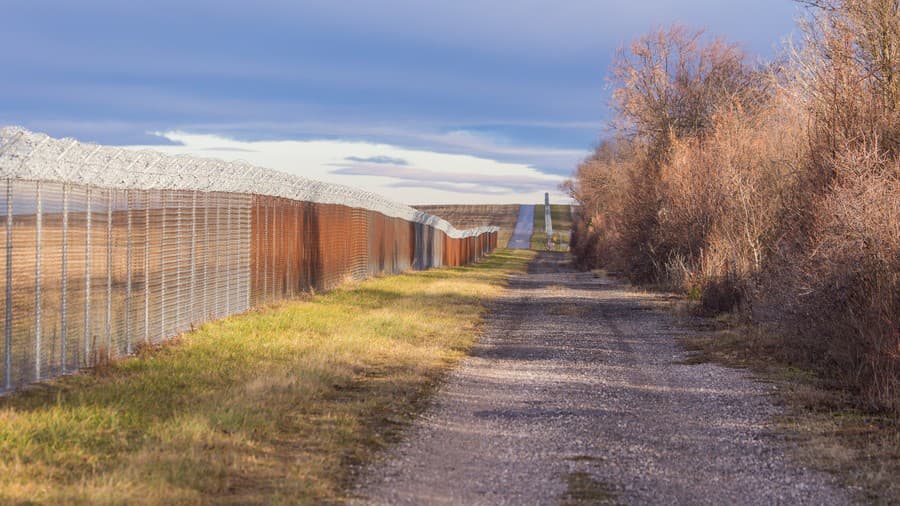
548,225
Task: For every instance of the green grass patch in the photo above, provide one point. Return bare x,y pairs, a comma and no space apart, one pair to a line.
274,406
561,218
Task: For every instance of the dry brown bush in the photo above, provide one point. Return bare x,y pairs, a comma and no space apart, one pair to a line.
670,83
722,198
670,87
600,181
832,279
847,73
839,298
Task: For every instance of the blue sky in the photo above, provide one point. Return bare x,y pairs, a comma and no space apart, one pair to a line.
386,95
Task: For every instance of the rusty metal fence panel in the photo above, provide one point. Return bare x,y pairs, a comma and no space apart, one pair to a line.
105,250
289,255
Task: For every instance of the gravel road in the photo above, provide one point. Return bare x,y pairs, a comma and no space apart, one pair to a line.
577,394
521,236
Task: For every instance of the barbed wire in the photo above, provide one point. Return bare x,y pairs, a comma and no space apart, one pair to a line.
26,155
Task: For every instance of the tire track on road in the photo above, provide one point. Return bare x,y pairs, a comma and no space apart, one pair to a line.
578,384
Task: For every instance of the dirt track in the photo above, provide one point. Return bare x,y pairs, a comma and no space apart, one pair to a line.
578,394
521,236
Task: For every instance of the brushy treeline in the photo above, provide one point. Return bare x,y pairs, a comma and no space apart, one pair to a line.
768,189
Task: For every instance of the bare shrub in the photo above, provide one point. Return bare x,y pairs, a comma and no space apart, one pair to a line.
841,297
832,280
848,74
671,84
723,197
598,187
770,189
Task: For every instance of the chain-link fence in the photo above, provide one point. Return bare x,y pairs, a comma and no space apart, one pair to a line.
106,248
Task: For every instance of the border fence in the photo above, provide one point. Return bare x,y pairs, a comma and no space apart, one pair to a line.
108,248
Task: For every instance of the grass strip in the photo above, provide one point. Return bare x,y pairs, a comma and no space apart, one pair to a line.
560,217
278,405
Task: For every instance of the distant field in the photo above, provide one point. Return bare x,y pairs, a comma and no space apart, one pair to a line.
468,216
560,217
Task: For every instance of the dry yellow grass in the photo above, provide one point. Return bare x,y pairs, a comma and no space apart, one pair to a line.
831,433
273,406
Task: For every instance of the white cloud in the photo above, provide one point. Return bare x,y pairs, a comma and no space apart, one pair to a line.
424,177
420,136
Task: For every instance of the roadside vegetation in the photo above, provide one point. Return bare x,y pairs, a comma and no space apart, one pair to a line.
278,405
770,190
561,218
833,433
769,194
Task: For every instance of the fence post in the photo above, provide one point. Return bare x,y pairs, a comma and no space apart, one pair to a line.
277,260
128,252
87,278
265,250
65,277
207,310
289,247
192,304
147,267
110,198
273,249
219,248
9,252
299,244
178,235
162,267
37,283
245,225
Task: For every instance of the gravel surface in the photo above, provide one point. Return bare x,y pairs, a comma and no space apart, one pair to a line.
521,236
578,380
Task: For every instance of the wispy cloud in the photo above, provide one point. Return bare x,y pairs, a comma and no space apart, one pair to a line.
463,182
402,174
424,136
378,159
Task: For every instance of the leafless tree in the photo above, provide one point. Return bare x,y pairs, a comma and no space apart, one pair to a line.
669,84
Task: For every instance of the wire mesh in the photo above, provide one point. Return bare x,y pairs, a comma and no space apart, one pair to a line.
105,249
